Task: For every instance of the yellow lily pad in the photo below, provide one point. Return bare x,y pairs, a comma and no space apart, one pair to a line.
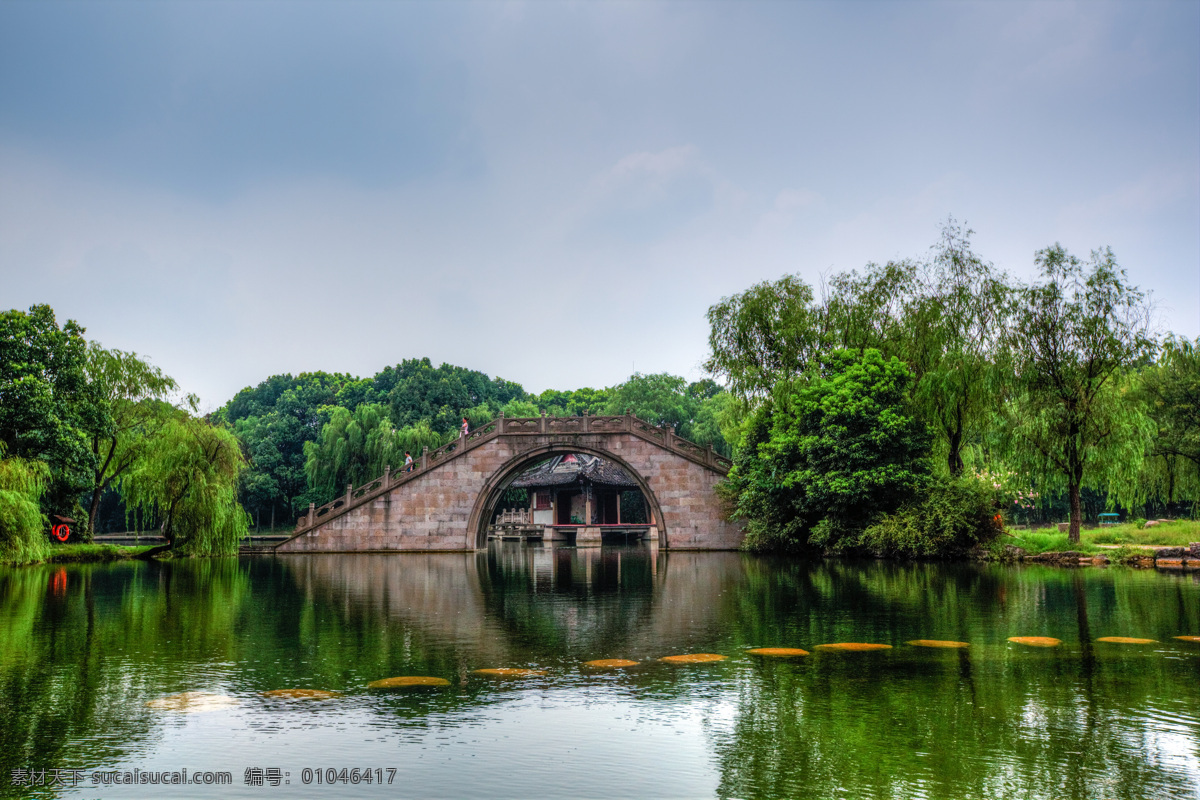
193,702
854,647
301,694
509,672
778,652
610,663
938,643
693,658
1036,641
408,682
1125,640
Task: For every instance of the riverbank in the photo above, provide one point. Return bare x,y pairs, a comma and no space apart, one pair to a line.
1096,541
1168,544
65,553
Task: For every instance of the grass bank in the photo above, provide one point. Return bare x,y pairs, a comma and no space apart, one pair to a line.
95,552
1177,533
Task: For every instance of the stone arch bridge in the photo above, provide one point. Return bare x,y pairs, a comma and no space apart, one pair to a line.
447,500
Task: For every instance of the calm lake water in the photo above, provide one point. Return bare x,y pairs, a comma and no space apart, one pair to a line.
86,648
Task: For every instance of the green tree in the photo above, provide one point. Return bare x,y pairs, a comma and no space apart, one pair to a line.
356,446
46,406
187,477
130,394
826,457
770,331
520,408
1172,389
953,340
1077,334
659,399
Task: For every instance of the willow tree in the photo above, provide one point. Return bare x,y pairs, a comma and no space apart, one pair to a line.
187,477
769,331
22,524
1172,388
1076,337
129,394
954,327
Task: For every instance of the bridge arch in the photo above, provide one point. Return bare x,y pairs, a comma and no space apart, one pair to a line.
489,495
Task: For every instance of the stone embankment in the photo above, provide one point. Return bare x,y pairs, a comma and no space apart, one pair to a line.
1185,558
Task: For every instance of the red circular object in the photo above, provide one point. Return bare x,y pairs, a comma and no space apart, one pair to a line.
61,532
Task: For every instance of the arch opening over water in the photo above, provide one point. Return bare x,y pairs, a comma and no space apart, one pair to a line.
564,522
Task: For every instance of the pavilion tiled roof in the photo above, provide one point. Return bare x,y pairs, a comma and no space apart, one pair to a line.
559,471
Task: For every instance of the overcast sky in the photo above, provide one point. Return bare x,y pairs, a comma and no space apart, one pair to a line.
555,193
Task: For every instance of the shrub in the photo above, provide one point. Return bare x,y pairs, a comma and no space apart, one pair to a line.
1139,523
951,517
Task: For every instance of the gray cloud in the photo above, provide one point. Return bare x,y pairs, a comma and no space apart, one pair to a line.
555,193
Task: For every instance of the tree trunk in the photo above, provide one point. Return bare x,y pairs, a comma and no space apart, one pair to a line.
954,460
1076,512
92,512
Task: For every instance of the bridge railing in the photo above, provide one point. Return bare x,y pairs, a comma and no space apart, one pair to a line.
513,426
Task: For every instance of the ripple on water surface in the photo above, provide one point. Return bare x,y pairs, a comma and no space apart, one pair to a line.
193,702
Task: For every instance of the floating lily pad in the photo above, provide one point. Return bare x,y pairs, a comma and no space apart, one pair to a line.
1036,641
938,643
193,702
778,652
301,694
610,663
1125,640
693,658
1188,638
408,682
854,647
509,672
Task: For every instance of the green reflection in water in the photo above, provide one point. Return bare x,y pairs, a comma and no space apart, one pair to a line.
83,648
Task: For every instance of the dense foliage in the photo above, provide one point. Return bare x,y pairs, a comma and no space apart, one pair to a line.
826,457
47,407
22,523
187,478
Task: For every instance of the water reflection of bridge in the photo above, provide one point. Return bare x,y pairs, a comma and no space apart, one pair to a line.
520,602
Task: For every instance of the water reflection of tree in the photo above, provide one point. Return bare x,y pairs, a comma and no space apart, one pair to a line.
82,649
990,721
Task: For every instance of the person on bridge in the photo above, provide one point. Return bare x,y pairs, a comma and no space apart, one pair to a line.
466,428
408,462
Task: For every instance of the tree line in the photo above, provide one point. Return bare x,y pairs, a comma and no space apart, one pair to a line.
910,403
307,437
105,438
78,421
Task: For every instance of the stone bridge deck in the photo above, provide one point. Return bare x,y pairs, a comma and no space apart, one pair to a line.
448,498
